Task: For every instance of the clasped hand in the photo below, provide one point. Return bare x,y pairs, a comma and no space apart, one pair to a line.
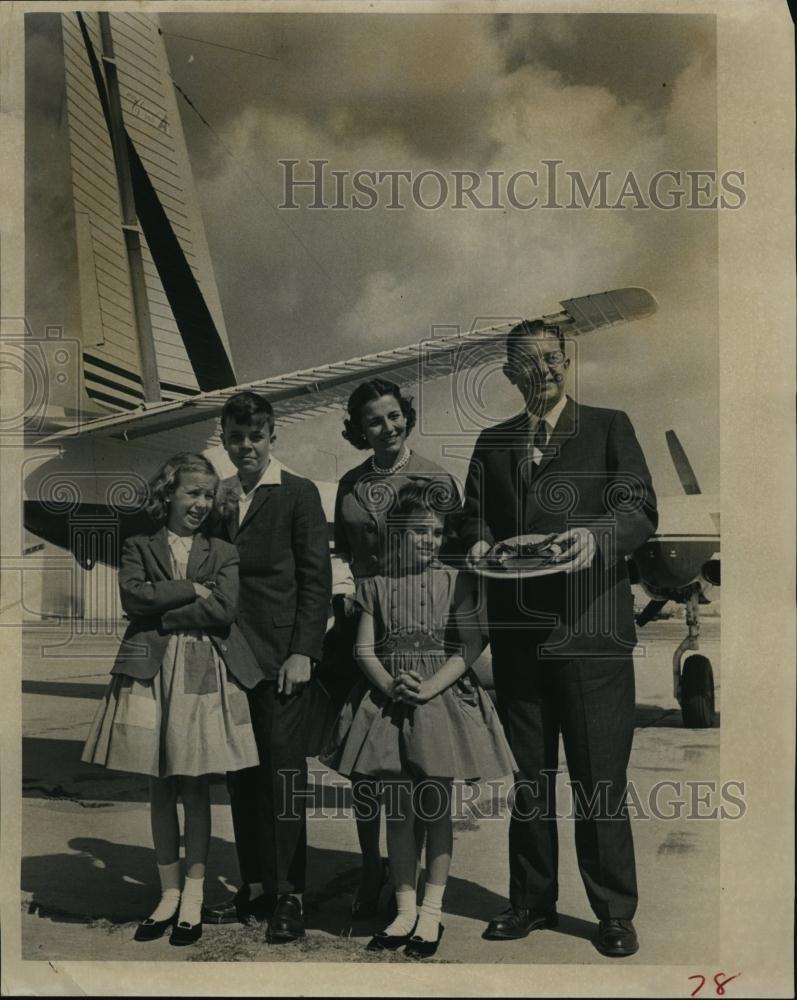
411,688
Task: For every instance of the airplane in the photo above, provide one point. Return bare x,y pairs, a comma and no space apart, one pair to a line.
681,563
155,367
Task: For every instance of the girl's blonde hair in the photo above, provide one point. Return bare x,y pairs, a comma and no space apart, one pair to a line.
165,482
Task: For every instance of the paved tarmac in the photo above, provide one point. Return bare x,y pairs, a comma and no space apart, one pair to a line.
88,871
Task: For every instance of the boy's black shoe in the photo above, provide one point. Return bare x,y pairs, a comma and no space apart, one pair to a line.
287,921
240,909
513,923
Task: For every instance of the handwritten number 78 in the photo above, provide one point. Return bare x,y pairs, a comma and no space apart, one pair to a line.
720,982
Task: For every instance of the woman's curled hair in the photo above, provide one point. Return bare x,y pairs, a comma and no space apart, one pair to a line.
366,392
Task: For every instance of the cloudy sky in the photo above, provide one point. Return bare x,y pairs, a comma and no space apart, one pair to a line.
458,92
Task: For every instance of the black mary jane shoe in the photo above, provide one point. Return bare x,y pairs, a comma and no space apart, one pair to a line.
184,933
388,942
418,948
151,930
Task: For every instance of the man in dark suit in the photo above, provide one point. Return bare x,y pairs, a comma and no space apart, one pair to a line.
278,524
562,644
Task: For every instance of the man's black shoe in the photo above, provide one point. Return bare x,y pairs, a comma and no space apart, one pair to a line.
617,938
513,924
240,909
287,922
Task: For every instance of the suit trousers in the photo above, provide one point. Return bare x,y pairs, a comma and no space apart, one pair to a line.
269,801
591,703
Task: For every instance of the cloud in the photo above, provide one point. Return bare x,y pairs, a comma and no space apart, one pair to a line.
425,80
637,57
455,92
387,278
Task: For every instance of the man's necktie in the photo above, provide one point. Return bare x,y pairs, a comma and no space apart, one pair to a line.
539,447
536,443
539,440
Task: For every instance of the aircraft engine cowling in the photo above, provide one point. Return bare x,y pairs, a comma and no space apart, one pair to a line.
710,573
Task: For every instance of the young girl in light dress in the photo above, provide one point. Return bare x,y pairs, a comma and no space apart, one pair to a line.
422,724
175,708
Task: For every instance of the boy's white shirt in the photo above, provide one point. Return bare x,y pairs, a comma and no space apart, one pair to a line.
270,476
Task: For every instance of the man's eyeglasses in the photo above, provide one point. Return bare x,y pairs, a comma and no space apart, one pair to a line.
551,359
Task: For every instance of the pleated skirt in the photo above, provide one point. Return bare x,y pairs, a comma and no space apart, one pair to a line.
191,719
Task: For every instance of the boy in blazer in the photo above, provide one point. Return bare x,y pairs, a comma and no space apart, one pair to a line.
562,644
278,525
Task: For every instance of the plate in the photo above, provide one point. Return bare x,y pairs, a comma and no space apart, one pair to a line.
520,567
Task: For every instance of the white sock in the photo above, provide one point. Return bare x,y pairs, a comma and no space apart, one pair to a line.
407,912
430,912
191,902
167,907
170,892
255,890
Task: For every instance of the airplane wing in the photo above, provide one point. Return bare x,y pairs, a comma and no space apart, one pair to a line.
312,392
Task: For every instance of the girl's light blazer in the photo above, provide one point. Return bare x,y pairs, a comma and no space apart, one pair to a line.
159,605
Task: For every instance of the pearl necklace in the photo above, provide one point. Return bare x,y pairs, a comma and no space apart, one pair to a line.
393,468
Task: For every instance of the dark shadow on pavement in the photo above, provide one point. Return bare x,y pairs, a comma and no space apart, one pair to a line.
52,769
576,927
118,883
332,880
102,880
63,689
666,718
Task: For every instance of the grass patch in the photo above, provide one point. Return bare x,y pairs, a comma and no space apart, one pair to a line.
247,944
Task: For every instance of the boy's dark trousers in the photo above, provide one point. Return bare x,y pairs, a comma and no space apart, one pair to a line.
269,801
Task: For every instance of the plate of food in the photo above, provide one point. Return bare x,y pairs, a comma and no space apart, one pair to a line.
522,556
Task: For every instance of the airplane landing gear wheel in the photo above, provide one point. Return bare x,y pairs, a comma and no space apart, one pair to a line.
697,693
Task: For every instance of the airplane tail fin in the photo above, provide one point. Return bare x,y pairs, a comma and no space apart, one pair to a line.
188,333
683,467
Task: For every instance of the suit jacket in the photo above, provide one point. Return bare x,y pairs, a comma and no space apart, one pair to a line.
159,605
593,474
285,569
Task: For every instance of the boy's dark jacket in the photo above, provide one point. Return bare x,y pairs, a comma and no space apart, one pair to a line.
285,570
158,605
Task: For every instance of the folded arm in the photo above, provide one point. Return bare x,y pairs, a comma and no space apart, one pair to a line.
217,610
140,597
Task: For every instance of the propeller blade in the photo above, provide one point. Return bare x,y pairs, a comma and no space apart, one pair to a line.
685,471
